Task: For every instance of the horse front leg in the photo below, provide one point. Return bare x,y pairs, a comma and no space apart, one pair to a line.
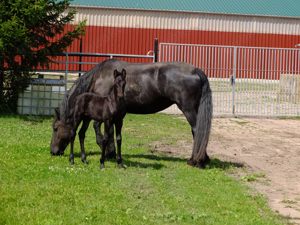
119,125
76,123
99,136
81,135
111,149
71,157
104,143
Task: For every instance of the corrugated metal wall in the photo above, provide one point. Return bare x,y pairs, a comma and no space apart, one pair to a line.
133,32
187,21
140,40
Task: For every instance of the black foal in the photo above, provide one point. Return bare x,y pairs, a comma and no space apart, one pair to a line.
109,109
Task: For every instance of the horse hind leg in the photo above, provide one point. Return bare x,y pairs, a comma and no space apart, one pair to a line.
191,116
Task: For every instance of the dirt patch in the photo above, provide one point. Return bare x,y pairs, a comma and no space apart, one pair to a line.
269,148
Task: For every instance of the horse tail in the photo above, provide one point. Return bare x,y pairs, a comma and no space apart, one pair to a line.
203,124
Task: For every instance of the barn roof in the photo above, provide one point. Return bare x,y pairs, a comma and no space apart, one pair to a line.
274,8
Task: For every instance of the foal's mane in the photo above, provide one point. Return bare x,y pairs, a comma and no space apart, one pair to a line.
81,85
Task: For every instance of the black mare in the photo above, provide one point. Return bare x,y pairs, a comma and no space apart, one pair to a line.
150,88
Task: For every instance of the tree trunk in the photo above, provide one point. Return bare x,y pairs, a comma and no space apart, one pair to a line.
1,82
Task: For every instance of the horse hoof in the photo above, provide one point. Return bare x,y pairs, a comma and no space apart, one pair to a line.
191,162
122,166
85,161
200,165
102,167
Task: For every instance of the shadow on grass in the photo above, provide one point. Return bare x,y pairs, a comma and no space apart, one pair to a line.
156,157
213,164
155,166
127,158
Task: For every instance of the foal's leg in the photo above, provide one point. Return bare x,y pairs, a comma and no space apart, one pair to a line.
119,125
111,150
81,135
104,143
99,136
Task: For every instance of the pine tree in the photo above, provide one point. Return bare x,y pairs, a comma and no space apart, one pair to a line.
31,32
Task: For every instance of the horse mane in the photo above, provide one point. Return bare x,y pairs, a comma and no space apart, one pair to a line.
81,85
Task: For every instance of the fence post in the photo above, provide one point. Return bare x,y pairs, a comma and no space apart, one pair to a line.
67,71
80,57
155,50
233,78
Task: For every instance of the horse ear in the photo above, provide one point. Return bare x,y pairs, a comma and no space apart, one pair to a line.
57,113
123,74
115,73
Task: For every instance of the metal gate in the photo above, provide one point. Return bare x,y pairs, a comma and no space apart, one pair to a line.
245,81
48,87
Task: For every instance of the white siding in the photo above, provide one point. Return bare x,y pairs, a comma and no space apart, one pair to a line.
187,21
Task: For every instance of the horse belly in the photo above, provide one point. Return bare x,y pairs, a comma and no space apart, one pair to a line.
147,107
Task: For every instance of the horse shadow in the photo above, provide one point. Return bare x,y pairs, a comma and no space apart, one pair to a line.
224,165
130,161
213,164
127,161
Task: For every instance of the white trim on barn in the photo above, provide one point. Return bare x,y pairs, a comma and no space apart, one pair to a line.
187,21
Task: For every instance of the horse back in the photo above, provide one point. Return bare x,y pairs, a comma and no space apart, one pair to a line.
150,87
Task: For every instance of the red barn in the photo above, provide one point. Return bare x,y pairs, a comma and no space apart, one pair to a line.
125,26
252,79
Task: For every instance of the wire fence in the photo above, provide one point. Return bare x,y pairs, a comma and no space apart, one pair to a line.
245,81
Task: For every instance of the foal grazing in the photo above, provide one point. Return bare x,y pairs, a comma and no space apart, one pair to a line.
107,109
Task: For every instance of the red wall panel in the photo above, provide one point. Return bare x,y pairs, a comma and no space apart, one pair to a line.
99,39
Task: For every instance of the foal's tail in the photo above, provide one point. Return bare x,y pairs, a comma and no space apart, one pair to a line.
203,126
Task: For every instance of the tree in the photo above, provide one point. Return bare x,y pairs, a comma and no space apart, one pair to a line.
31,32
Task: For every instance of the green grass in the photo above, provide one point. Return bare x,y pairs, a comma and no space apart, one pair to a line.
36,188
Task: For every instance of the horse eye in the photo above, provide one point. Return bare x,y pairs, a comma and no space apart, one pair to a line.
55,129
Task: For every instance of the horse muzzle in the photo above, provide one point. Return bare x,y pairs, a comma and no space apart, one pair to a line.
55,151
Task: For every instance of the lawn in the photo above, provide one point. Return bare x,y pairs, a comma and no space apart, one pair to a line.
36,188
